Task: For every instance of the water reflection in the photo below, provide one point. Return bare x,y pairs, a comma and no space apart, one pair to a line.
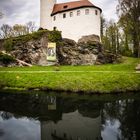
45,117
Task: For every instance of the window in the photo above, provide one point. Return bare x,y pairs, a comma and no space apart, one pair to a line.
54,18
64,15
87,12
96,12
71,14
78,13
65,6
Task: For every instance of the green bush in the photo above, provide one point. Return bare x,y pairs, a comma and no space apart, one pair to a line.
8,44
6,59
54,36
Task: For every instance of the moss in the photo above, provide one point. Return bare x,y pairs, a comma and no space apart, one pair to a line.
53,36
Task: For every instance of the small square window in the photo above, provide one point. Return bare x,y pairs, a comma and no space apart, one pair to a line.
87,12
64,15
96,12
66,6
78,13
71,14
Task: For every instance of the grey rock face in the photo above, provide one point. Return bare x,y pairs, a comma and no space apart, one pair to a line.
89,38
88,51
33,52
72,53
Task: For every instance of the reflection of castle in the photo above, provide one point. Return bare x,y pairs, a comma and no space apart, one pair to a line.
60,118
73,126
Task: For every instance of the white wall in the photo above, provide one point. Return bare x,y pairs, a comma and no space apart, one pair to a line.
77,26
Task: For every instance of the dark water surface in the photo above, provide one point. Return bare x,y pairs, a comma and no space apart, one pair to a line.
49,117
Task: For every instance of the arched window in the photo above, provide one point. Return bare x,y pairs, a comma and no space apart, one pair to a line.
71,14
86,11
54,18
78,12
96,12
64,15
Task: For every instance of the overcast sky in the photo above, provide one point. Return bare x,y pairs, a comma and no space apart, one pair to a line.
23,11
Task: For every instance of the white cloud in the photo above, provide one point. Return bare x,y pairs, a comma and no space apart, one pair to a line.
108,7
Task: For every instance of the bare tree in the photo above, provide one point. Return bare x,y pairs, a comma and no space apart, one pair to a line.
103,25
30,26
6,31
19,30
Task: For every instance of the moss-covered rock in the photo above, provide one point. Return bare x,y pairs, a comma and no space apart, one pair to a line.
52,36
31,48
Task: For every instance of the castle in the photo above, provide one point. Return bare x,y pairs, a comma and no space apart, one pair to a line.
75,19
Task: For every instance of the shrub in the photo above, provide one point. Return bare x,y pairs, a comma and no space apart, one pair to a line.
54,36
6,59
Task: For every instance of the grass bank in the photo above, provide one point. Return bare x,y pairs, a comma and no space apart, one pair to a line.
88,79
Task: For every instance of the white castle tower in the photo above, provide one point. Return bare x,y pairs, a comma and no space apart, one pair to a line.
46,8
74,19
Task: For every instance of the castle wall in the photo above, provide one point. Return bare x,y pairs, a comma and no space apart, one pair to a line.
77,26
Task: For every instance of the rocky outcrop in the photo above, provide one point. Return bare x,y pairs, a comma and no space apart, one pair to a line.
85,52
89,38
72,53
33,50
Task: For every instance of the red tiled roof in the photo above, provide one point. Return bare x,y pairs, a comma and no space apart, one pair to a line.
62,7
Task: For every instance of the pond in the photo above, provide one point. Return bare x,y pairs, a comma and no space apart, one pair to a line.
42,116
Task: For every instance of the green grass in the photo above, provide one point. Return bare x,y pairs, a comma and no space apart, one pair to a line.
128,65
100,79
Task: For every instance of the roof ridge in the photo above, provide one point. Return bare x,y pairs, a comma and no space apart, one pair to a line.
61,7
73,2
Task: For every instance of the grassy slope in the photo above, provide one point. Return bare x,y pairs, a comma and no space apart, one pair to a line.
112,77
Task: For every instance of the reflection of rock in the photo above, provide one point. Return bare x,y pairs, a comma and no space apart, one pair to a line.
91,109
47,107
73,126
42,107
